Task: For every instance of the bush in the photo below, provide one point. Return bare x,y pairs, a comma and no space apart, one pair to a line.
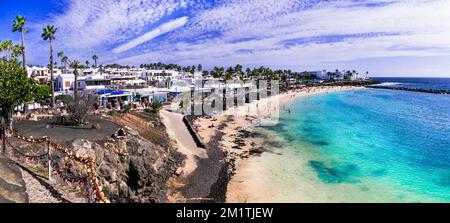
43,94
63,98
156,106
79,110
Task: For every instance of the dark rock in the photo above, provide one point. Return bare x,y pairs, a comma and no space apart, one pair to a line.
121,132
137,174
123,188
109,174
256,151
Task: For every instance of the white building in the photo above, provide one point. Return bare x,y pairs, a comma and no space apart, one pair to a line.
42,74
64,82
160,75
94,82
125,81
322,74
90,71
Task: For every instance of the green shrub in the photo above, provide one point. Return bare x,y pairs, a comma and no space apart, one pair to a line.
156,106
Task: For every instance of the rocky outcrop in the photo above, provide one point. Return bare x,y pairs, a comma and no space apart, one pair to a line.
12,186
132,169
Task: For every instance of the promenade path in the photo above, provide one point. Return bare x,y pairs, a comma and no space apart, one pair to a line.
178,131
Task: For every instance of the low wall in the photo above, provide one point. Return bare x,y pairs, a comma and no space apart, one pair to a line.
187,121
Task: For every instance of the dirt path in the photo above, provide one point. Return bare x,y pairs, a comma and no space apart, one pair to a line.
37,192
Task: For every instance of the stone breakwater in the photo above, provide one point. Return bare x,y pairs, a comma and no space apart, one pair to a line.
432,91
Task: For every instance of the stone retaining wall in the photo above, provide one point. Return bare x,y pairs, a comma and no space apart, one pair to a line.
188,120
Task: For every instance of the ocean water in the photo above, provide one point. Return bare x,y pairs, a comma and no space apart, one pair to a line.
359,146
420,83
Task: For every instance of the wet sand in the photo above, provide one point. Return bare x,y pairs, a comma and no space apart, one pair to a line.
239,142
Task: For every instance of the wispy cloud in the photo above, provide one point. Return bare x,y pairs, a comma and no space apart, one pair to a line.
368,31
162,29
296,34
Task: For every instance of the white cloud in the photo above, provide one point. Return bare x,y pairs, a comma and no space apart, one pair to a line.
253,32
162,29
87,27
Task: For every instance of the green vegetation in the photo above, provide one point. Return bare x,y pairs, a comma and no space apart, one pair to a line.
156,106
10,50
79,109
19,26
95,58
76,66
48,33
16,88
42,94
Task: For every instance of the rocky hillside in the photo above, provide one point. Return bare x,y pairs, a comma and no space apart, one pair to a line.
132,169
133,166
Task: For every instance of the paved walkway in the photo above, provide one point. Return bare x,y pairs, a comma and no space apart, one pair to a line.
178,131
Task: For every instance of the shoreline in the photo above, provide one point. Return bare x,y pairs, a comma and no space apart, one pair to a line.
240,144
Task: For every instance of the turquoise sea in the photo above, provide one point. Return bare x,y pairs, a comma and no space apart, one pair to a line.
360,146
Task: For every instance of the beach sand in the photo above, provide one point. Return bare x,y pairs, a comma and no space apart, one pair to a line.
241,146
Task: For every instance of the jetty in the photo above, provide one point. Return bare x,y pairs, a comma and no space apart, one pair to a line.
432,91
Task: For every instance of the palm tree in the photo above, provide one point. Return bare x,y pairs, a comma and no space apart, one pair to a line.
87,63
75,65
6,46
48,33
16,51
19,26
229,73
65,61
348,75
60,53
248,72
330,75
61,56
337,74
101,69
95,58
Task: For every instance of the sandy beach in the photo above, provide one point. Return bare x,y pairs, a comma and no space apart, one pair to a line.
240,144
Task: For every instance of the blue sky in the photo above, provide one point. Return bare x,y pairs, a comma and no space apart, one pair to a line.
385,37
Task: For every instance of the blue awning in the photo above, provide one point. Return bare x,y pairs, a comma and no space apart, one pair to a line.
114,93
106,91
